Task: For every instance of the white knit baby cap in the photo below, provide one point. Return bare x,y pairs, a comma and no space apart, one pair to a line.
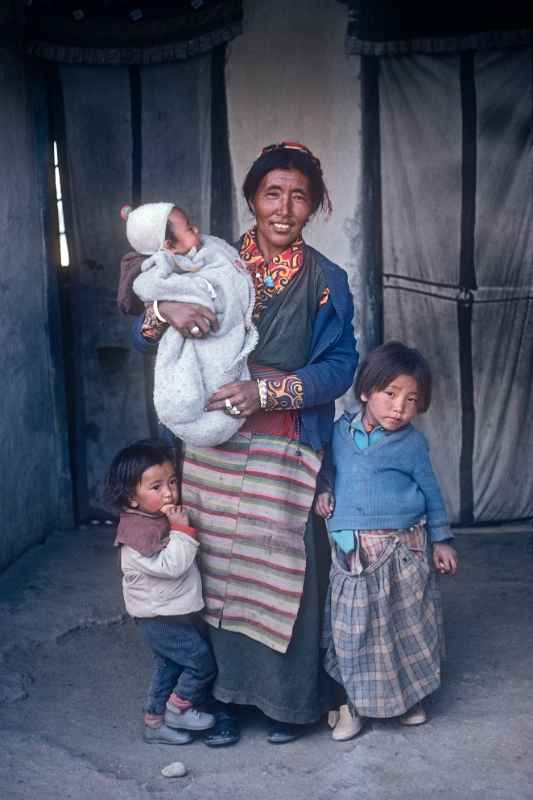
146,225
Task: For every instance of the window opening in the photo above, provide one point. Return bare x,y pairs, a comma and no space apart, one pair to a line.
63,243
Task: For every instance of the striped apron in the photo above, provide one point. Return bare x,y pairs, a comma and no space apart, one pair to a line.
250,499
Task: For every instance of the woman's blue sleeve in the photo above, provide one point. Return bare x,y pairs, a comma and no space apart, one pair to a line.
326,477
332,373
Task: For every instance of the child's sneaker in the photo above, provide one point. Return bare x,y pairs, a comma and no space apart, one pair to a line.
415,716
165,735
349,724
191,719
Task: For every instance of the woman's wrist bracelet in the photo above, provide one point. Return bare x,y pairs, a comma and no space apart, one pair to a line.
158,313
262,388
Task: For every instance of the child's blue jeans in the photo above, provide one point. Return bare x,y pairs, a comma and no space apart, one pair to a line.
183,663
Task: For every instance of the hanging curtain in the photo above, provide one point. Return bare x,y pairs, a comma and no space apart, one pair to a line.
502,322
421,189
457,217
131,135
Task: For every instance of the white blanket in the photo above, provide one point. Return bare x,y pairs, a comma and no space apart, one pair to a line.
188,371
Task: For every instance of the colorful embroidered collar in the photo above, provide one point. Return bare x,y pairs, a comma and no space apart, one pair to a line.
272,277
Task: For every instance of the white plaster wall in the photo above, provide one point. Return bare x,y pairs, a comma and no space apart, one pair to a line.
288,78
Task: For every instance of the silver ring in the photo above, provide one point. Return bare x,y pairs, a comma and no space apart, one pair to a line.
231,409
195,330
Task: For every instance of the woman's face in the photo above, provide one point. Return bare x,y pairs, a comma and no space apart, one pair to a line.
282,206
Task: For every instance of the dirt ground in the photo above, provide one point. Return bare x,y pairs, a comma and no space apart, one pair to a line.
73,673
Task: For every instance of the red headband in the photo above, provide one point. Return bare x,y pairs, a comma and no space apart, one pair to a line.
301,148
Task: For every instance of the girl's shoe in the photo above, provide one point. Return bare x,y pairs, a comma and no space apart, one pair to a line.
165,735
333,717
190,720
415,716
348,725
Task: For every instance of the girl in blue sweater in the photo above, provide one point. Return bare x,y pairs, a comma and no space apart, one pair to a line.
390,535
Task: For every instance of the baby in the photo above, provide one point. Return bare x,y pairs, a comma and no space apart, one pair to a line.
185,266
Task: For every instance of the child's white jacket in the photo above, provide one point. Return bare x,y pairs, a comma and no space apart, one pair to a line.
188,371
165,584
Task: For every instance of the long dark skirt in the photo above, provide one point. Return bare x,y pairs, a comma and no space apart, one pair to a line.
289,687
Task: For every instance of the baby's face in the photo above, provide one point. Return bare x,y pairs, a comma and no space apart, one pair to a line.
187,235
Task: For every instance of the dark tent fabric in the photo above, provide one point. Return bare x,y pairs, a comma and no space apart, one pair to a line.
502,322
386,28
131,135
456,155
421,190
126,32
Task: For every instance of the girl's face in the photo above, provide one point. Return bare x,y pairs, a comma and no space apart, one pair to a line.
158,487
394,406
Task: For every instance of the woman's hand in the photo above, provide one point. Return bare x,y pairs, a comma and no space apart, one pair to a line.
190,319
324,504
445,558
242,395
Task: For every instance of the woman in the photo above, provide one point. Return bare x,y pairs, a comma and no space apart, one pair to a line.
264,554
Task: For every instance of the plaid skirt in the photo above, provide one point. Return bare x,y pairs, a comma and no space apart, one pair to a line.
383,622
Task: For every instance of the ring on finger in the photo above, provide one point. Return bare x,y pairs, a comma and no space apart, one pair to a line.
195,330
230,408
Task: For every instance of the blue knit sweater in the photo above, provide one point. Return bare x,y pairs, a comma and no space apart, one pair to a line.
391,484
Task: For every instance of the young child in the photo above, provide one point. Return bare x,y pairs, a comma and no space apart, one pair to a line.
184,266
388,527
162,589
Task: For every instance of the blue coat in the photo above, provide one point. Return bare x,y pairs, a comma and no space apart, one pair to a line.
332,362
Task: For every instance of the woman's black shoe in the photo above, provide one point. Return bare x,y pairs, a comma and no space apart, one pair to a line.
281,733
224,732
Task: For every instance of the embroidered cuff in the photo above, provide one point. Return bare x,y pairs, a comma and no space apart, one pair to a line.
285,394
152,329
